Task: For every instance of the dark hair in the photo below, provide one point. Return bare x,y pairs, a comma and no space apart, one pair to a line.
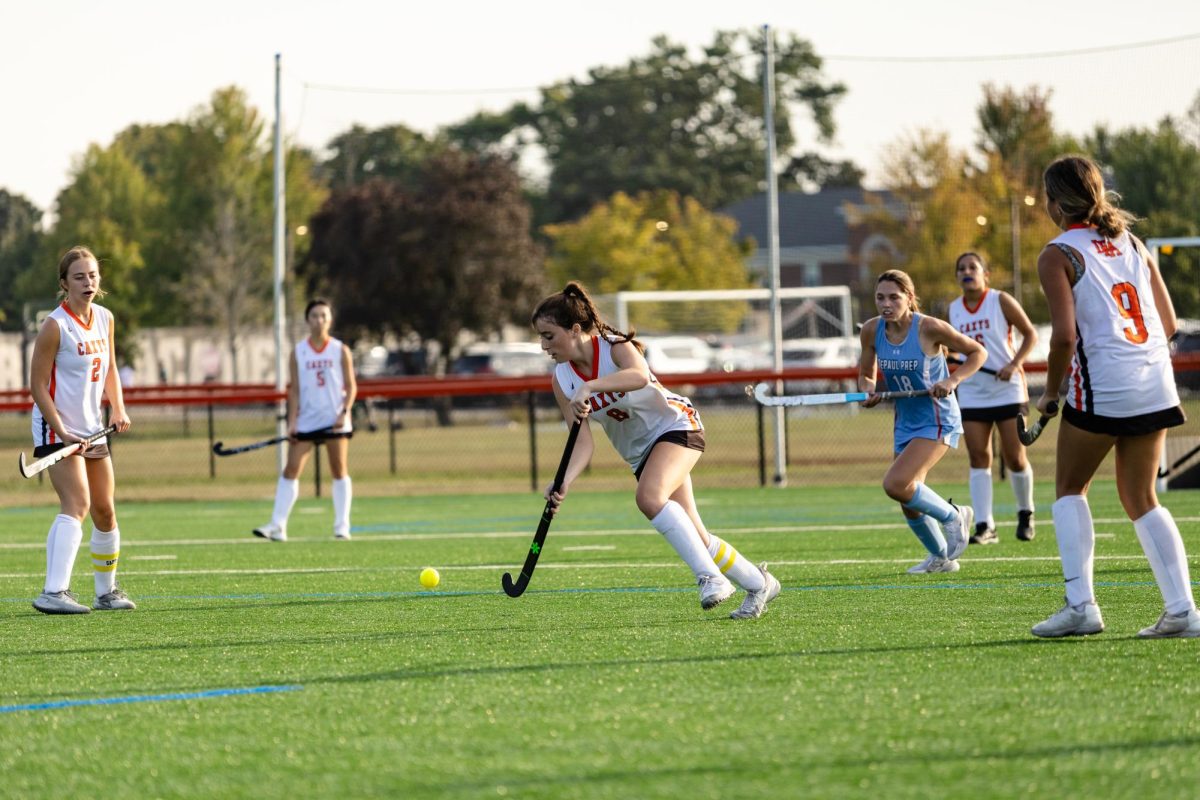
76,253
1077,185
961,256
317,301
573,306
906,285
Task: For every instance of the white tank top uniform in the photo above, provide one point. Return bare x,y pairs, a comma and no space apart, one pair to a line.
633,421
322,386
77,378
986,324
1122,364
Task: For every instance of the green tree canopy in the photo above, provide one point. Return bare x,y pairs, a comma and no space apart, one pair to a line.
20,237
393,152
656,240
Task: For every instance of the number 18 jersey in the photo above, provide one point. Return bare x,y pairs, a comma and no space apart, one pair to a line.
1122,364
77,378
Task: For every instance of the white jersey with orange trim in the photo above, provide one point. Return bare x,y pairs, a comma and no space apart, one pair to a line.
322,386
986,324
633,420
78,376
1122,364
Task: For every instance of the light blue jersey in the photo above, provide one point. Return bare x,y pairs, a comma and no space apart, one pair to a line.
905,367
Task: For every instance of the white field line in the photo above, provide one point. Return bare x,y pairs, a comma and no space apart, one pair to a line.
577,548
543,566
433,537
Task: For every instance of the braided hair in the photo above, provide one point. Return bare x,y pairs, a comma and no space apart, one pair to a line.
573,306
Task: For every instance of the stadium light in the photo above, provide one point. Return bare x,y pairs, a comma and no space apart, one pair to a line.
302,230
981,220
1030,200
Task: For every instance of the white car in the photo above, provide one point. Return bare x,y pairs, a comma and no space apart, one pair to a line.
502,358
832,351
673,354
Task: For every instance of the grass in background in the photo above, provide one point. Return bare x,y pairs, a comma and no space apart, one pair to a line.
605,679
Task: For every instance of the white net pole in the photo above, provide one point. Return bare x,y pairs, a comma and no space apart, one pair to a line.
280,236
773,245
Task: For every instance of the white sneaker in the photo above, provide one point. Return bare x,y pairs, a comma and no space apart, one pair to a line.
714,590
59,603
756,602
1180,626
1082,620
271,531
116,600
957,530
341,534
934,564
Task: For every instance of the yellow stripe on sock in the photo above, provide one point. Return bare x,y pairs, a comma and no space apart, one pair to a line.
105,556
733,554
109,568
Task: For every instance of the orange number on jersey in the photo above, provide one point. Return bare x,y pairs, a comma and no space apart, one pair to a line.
320,377
618,414
95,370
1130,307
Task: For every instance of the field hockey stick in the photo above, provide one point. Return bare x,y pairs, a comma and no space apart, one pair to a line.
961,362
1029,435
535,548
29,470
220,449
759,393
1178,462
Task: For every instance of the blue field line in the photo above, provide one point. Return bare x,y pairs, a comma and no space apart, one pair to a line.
428,595
149,698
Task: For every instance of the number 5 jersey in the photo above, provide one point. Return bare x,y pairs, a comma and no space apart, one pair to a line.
77,378
1122,364
322,386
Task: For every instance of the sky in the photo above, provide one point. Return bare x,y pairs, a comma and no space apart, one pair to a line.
76,73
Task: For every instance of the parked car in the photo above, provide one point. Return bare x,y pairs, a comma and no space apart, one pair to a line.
672,354
502,359
1187,342
833,351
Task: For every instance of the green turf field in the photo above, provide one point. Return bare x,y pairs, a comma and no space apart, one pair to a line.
605,679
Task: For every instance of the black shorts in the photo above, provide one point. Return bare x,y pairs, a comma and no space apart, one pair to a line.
321,436
692,440
1124,426
95,451
995,413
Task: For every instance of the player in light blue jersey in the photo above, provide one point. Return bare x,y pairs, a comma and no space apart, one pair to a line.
907,348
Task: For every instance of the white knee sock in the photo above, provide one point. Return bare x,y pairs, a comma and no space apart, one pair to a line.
736,568
62,544
1160,539
981,496
680,532
1022,484
106,549
343,495
286,492
1076,546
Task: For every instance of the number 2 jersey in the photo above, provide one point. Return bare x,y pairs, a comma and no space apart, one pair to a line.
322,386
633,420
986,324
78,376
1122,364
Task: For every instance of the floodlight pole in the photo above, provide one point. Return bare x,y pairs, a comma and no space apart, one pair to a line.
279,244
779,420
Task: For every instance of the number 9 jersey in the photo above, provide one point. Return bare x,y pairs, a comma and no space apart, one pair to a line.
1122,364
77,378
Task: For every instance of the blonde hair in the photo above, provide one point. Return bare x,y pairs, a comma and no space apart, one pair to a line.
906,285
1077,185
76,253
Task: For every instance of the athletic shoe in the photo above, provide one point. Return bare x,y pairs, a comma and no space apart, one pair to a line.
934,564
271,531
755,603
59,603
714,590
116,600
341,535
1025,531
984,534
1181,626
1082,620
956,531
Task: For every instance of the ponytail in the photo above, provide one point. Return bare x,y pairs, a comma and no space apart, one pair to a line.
572,306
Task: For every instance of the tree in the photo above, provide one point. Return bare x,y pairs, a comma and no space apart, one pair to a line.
656,240
450,254
666,121
394,152
20,236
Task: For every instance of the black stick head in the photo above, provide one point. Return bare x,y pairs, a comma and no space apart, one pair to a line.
514,589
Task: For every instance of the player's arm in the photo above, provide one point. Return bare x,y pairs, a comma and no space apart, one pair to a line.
940,333
1054,272
112,384
351,384
1158,287
41,366
584,446
1016,317
632,374
867,364
293,396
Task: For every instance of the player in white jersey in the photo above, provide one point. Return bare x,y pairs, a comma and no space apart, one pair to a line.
995,395
1111,317
71,371
321,392
602,374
